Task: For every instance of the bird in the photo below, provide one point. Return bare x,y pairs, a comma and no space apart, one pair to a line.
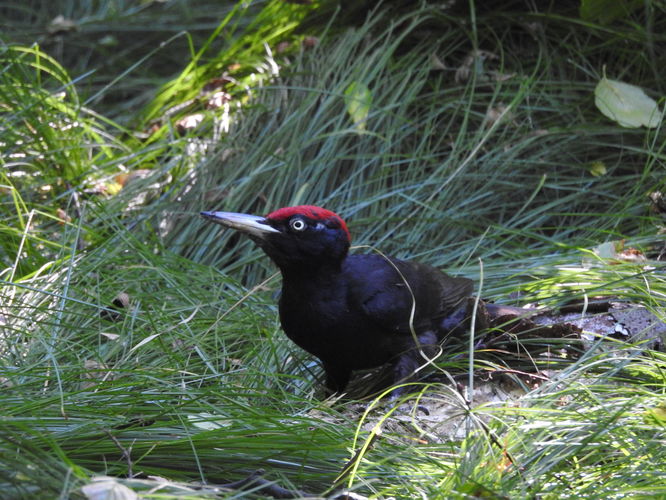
353,311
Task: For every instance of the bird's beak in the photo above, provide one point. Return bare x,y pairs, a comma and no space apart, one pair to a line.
245,223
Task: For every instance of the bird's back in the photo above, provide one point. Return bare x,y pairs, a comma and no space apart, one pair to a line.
395,292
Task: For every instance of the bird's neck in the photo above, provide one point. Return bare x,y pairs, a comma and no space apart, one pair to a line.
310,272
308,286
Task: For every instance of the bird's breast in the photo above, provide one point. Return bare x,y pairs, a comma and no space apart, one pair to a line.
326,323
314,315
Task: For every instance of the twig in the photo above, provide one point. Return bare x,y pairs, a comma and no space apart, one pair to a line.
126,452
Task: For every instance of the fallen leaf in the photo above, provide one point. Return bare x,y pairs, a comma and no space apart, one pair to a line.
217,100
626,104
436,63
62,216
476,58
493,114
607,250
108,41
113,313
310,42
658,202
597,168
112,188
189,122
631,255
110,336
216,83
108,489
616,251
60,24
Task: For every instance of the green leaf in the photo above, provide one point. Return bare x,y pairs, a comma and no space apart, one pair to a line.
598,168
626,104
358,100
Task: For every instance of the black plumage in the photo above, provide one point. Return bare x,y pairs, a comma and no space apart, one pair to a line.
352,311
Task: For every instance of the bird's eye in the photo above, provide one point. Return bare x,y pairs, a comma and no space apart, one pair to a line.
297,224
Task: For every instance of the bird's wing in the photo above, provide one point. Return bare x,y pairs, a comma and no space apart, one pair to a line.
381,288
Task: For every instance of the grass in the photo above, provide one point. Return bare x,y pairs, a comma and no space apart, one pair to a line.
487,176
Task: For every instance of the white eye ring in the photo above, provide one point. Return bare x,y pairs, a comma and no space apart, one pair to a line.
297,224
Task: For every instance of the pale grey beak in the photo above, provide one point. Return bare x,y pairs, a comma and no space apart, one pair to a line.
245,223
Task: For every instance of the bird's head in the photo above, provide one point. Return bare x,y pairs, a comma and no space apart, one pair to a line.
296,238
